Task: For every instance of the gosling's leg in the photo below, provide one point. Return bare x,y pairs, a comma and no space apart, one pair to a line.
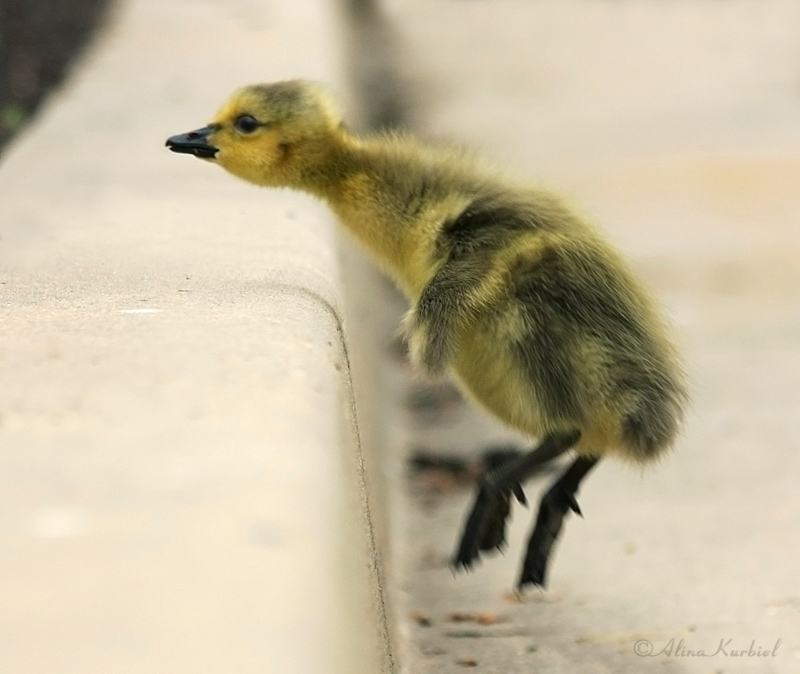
485,527
555,504
493,461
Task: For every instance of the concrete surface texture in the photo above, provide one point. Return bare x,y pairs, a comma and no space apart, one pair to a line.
177,448
677,126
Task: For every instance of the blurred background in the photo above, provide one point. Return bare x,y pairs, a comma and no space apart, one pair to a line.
676,125
39,41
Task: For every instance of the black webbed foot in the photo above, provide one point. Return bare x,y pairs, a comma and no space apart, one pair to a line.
505,472
486,526
555,504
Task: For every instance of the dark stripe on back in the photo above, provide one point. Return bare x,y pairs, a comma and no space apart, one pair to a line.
486,223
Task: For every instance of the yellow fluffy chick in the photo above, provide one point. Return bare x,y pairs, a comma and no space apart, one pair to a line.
512,291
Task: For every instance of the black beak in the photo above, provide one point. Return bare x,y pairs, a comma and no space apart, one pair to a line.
194,142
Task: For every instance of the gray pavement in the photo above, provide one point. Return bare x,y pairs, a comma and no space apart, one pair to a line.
677,126
178,478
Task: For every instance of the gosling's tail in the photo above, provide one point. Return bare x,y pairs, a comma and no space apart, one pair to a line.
653,425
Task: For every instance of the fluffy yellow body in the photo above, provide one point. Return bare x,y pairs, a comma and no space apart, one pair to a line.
541,320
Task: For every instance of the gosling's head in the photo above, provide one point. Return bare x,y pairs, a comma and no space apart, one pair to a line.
268,134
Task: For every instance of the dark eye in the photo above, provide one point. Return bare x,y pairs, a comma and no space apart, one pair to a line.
246,124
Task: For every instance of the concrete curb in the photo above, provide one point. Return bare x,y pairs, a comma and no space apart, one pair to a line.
182,487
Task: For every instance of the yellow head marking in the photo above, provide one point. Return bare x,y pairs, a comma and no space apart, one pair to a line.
268,133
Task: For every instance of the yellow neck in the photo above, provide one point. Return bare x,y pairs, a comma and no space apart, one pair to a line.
356,186
389,193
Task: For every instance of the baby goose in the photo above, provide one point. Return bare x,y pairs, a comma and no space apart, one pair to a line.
539,319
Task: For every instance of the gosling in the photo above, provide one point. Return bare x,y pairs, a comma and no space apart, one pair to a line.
512,291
